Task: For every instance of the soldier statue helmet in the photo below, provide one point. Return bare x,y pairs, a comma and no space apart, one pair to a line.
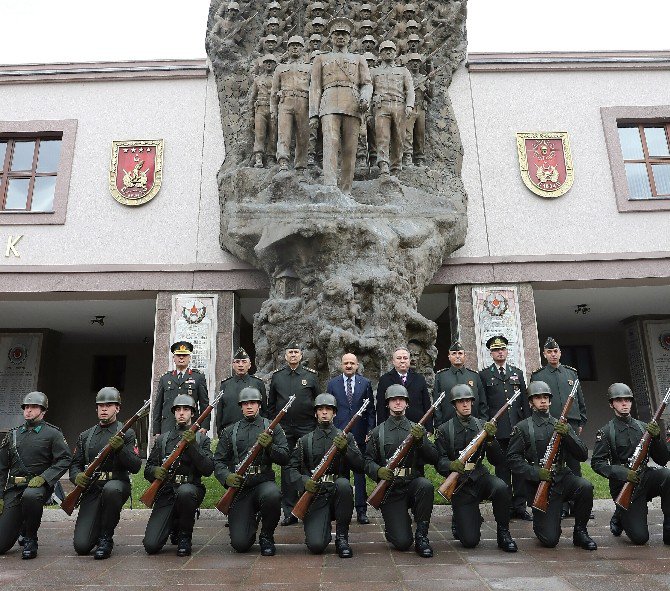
325,400
249,395
538,389
619,390
296,40
184,400
371,58
37,398
461,392
396,391
414,57
387,45
268,57
108,394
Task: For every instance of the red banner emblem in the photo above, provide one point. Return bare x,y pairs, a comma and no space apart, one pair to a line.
546,162
136,171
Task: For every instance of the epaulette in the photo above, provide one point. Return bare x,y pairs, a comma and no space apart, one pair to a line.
572,368
538,369
471,370
228,378
278,369
599,435
309,369
441,370
194,370
54,426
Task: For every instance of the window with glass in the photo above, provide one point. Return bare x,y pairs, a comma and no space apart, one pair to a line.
646,154
29,172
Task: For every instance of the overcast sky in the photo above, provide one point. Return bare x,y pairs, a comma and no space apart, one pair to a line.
43,31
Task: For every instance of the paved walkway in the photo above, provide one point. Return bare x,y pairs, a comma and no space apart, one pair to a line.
375,567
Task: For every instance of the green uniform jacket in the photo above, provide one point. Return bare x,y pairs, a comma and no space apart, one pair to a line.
561,379
193,383
499,391
304,384
445,380
228,409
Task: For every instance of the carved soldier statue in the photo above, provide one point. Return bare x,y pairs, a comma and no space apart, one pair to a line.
415,134
315,46
393,102
367,44
366,155
268,45
290,105
340,90
225,16
318,26
265,135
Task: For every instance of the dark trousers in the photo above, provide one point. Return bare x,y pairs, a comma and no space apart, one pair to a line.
337,501
465,505
547,526
416,495
263,498
654,483
173,508
571,462
516,485
361,495
289,489
99,513
23,509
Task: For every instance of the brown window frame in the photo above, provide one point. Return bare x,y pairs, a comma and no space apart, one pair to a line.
648,160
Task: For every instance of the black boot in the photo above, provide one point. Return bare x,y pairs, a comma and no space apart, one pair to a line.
174,537
581,538
342,542
362,517
29,548
666,530
454,531
421,542
184,544
615,525
267,544
505,541
105,546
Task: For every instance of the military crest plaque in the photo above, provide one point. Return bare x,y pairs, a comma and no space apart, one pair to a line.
546,162
136,171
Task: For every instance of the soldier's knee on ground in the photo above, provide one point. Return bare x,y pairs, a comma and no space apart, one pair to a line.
548,540
82,546
317,546
34,497
401,543
152,546
638,534
241,541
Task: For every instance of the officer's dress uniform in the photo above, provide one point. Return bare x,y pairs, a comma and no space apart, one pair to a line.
102,501
228,410
445,380
178,499
27,451
192,382
527,447
259,493
335,497
477,484
410,489
499,388
615,444
561,380
298,421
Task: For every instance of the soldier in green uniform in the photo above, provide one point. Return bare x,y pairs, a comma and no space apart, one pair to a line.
32,459
615,444
334,496
107,492
293,379
501,380
181,380
447,378
258,493
410,489
560,379
475,483
181,495
228,409
527,446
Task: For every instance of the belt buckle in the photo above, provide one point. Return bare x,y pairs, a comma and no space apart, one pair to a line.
469,466
20,479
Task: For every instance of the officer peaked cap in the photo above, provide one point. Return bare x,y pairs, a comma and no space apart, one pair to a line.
497,342
182,348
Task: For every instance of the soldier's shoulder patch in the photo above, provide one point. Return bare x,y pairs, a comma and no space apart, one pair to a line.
599,435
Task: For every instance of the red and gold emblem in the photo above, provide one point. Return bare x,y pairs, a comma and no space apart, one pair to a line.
136,171
546,162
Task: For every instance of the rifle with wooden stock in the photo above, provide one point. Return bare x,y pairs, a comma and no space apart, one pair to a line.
541,500
71,502
302,506
639,456
377,495
227,499
149,496
449,486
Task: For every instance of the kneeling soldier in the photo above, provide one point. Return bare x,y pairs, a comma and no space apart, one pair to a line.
615,444
257,492
32,459
334,496
475,483
409,489
107,492
180,496
527,447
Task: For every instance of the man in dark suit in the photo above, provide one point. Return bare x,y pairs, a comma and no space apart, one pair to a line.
501,380
415,383
350,391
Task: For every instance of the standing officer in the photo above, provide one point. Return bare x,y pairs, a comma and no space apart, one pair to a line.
228,410
293,379
527,447
350,391
334,496
447,378
409,489
179,497
262,124
500,381
107,492
414,148
257,491
475,483
615,444
181,380
32,459
560,378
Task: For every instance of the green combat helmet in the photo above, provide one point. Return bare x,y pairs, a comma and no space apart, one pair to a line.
619,390
184,400
249,395
325,400
396,391
108,394
39,398
537,388
461,392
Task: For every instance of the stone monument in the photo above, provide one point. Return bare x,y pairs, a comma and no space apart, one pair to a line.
347,260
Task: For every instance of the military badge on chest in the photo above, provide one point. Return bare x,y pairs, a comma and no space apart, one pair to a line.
304,382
